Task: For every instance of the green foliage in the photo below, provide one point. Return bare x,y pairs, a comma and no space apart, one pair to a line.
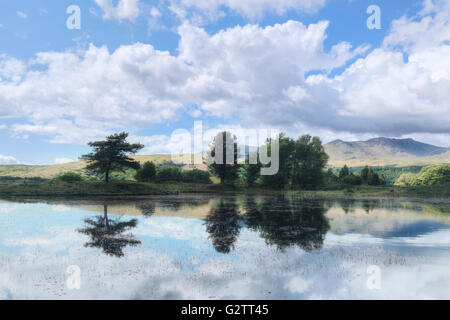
69,177
196,176
169,174
365,174
309,161
226,171
301,163
406,179
286,152
146,173
344,172
428,176
330,178
352,179
251,172
112,155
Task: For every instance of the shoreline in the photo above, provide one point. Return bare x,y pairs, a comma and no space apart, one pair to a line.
125,189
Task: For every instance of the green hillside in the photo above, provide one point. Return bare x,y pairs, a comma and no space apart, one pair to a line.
50,171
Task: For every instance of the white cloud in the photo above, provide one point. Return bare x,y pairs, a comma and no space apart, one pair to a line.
11,69
21,14
79,98
386,93
123,10
63,160
257,75
8,160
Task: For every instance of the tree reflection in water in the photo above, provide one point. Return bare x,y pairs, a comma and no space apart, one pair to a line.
286,222
147,208
108,234
223,225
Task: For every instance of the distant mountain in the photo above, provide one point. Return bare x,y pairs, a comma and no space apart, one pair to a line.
385,151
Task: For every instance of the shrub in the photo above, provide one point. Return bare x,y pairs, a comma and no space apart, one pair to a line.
196,176
432,175
406,179
169,174
146,173
69,177
352,179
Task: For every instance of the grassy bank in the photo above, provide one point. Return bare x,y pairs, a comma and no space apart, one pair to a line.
95,188
51,188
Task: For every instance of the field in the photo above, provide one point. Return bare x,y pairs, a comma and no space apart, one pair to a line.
50,171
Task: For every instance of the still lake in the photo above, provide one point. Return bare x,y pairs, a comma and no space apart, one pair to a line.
224,247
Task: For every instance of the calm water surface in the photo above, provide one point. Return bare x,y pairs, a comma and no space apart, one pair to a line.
233,247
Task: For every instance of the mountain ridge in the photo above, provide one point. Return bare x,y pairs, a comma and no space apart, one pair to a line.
383,151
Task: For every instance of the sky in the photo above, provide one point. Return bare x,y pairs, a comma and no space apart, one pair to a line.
151,68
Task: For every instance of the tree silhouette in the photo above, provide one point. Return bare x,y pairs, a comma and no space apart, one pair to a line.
108,234
223,225
111,155
147,208
224,149
288,222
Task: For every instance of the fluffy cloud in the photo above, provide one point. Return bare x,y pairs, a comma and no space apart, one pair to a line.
259,76
123,10
8,160
402,87
75,98
81,97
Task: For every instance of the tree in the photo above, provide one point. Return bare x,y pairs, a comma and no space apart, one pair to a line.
372,178
108,234
365,174
224,148
330,177
146,173
286,160
251,171
111,155
287,222
301,162
310,160
344,172
222,225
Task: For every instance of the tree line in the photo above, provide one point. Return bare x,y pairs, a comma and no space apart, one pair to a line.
302,164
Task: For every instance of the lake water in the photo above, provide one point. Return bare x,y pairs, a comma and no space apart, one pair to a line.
233,247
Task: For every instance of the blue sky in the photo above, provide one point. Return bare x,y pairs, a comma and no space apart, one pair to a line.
151,67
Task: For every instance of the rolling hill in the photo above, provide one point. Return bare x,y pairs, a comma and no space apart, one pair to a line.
50,171
385,151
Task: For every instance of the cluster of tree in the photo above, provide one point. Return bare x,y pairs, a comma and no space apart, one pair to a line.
283,222
428,176
391,173
301,162
112,155
149,173
367,176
